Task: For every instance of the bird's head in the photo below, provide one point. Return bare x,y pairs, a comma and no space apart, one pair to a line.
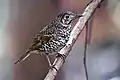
67,17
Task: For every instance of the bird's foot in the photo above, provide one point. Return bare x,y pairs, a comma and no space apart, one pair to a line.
53,67
63,56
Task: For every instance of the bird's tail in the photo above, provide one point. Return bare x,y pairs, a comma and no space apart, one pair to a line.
23,57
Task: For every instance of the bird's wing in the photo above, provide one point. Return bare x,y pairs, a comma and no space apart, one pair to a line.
44,35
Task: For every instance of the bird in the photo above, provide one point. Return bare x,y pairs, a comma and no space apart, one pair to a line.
52,38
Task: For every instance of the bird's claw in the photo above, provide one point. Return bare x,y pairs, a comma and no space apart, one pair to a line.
53,67
63,56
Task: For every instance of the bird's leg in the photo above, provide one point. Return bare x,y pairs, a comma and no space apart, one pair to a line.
48,59
63,56
50,64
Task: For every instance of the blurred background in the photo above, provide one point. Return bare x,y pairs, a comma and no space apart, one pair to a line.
21,20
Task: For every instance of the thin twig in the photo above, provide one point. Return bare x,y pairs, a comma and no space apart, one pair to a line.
90,29
85,49
89,10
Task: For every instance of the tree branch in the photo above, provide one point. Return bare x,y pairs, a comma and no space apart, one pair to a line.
89,10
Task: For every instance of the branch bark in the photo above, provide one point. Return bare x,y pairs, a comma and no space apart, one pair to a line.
89,10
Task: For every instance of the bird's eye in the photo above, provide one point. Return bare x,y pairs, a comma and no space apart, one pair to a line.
67,16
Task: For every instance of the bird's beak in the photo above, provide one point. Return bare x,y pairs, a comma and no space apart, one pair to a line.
78,16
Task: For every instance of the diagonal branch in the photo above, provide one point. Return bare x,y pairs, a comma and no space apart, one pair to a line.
89,10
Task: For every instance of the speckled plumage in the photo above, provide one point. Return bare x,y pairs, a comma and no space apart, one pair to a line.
53,37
